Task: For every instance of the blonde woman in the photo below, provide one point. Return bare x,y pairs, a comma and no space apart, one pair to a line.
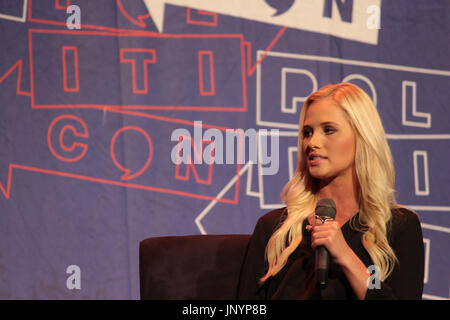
375,246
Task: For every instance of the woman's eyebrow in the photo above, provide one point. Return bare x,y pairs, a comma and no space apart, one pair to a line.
329,122
322,124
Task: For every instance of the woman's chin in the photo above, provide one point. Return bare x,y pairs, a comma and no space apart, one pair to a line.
323,178
318,174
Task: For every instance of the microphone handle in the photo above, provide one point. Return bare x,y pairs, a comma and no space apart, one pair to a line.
322,267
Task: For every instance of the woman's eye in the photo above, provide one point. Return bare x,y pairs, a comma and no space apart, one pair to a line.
307,132
329,130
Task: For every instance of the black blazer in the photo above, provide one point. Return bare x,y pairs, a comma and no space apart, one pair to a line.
296,279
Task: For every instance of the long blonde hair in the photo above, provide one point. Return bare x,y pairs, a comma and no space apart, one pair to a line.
375,174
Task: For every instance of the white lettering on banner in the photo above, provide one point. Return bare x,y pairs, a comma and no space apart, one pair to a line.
292,160
440,235
370,84
426,245
295,100
348,20
410,115
413,120
421,189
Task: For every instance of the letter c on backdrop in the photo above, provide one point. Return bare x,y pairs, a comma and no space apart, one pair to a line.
62,133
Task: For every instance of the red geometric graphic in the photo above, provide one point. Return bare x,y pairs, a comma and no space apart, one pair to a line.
140,19
127,175
71,54
17,65
58,5
241,107
142,61
209,57
211,22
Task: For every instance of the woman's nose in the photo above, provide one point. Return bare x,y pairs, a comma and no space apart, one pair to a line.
314,141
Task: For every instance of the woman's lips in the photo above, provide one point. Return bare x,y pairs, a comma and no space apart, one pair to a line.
315,160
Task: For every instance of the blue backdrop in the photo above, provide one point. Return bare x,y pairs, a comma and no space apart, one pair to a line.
92,120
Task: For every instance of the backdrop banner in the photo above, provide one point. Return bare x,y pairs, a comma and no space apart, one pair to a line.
127,119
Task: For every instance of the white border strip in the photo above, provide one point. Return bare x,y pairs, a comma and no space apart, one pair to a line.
22,19
354,62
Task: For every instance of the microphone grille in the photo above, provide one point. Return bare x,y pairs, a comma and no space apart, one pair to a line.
326,208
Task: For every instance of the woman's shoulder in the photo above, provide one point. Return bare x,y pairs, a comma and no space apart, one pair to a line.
267,224
273,218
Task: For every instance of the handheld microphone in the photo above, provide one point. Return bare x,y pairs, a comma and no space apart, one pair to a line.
325,209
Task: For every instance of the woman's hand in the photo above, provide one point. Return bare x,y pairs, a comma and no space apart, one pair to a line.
330,236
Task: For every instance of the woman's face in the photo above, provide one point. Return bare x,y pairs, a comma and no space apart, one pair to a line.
329,143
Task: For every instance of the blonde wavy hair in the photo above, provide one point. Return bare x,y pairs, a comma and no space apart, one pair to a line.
375,175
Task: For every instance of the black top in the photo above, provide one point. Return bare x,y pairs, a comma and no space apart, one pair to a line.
296,279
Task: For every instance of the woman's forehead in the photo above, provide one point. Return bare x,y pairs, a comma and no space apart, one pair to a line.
324,110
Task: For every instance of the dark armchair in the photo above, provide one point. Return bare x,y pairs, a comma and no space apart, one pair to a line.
191,267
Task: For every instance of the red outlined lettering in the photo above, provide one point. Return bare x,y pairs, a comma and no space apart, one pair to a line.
208,56
242,107
127,175
58,6
73,53
141,57
75,145
6,189
212,22
198,154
